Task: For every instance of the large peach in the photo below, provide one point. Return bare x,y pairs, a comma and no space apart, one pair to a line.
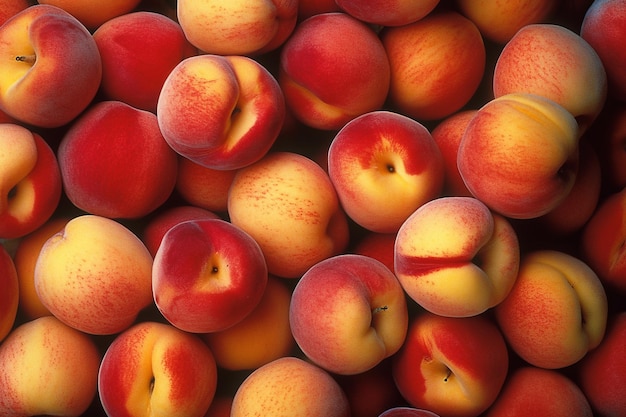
332,69
50,66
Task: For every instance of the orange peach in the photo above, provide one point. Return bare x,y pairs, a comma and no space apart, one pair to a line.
554,62
93,15
138,52
223,112
95,275
388,12
519,155
204,187
261,337
290,386
25,257
332,69
556,312
437,64
50,68
48,368
237,27
115,162
382,157
10,295
288,204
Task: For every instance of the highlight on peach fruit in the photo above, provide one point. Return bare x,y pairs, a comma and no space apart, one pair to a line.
437,64
222,112
556,312
95,275
456,258
332,69
382,157
519,155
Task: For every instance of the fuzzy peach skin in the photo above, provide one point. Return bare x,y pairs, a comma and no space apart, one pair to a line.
115,162
10,294
48,368
554,62
30,181
223,112
50,65
25,258
156,226
451,366
237,27
604,28
456,258
532,391
95,275
332,69
204,187
498,21
9,8
447,135
290,386
382,157
519,155
154,369
388,12
364,318
138,52
208,275
288,204
261,337
437,64
602,373
602,241
556,312
92,15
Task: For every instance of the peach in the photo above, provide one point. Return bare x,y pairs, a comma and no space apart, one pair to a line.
602,241
365,315
237,27
25,258
447,134
602,373
604,28
48,368
115,162
138,52
498,21
208,275
223,112
384,156
288,204
540,392
30,181
10,295
456,258
332,69
9,8
556,312
437,64
204,187
94,275
93,15
290,386
158,225
554,62
51,67
155,369
519,155
388,12
261,337
451,366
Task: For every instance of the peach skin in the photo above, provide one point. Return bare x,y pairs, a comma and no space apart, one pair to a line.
556,312
204,187
456,258
519,155
92,15
10,295
388,12
9,8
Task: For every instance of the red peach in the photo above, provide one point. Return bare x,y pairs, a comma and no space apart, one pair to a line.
9,296
92,14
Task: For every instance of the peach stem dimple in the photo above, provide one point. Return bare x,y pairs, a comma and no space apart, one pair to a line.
29,59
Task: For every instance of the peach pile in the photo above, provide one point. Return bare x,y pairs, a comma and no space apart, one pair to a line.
321,208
